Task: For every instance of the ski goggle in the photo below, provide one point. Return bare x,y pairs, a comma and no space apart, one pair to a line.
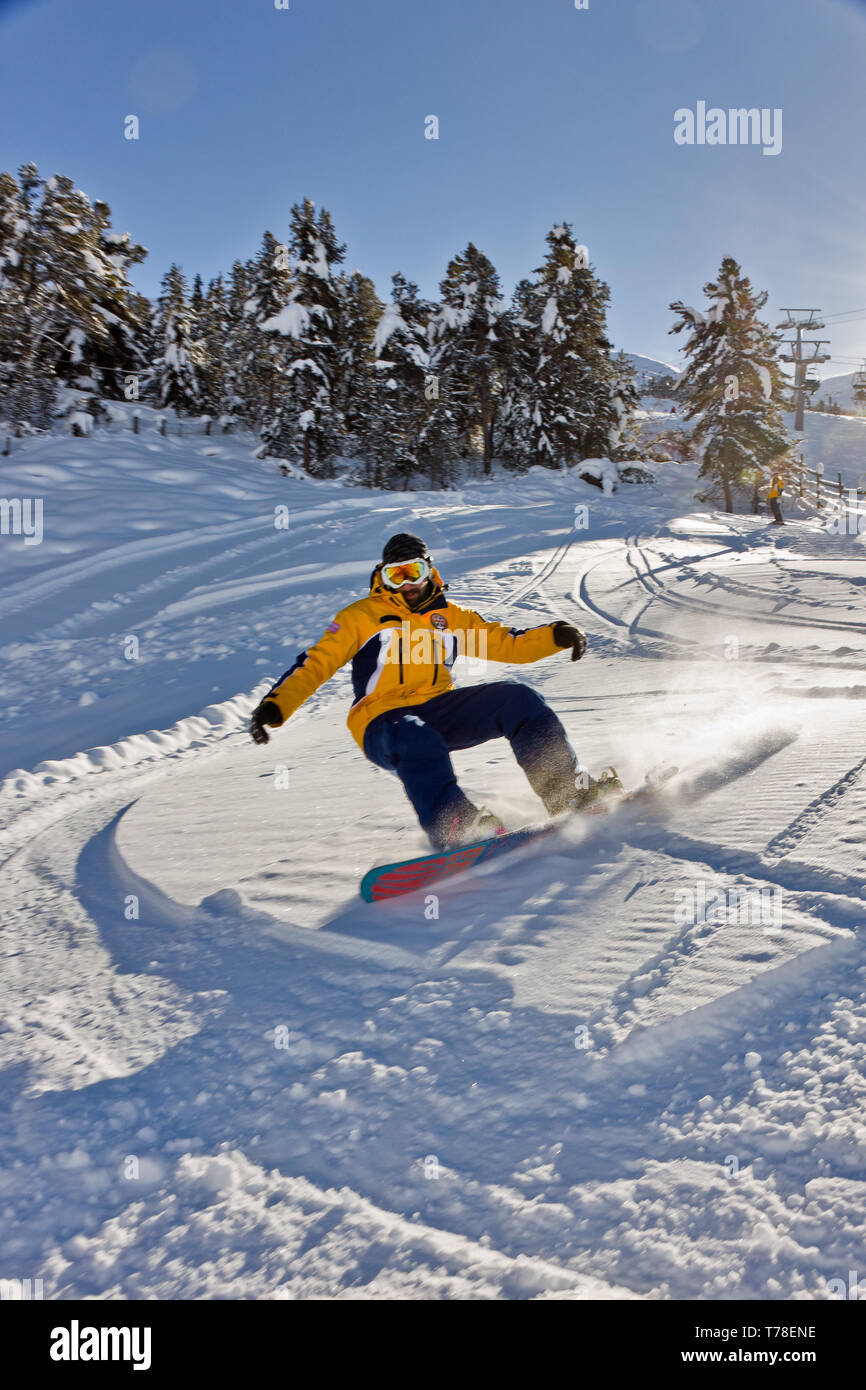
407,572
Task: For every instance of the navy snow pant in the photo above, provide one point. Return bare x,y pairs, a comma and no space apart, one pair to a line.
415,742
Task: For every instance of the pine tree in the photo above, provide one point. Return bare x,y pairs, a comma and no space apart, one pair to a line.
560,380
49,297
35,301
213,323
392,436
306,421
147,352
732,384
124,349
15,311
616,399
238,347
626,398
360,311
196,335
470,346
58,255
564,398
66,297
176,376
440,443
94,318
269,289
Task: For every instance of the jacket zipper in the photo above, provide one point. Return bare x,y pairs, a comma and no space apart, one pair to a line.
401,660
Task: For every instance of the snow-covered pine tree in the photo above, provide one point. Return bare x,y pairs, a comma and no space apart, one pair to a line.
440,444
175,367
546,398
196,334
470,334
33,298
616,400
146,341
516,427
608,396
96,317
392,436
382,439
306,422
15,312
733,382
238,347
360,310
269,283
67,301
564,398
60,256
213,324
125,349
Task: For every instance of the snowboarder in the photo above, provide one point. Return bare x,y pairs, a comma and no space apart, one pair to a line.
407,716
777,487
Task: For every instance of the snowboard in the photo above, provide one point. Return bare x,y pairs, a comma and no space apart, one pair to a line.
411,875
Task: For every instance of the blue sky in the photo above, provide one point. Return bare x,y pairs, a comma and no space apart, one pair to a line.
546,113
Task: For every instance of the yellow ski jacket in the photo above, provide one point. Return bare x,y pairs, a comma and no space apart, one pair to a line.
777,487
402,656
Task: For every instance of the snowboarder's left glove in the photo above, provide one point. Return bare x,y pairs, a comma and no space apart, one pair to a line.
268,712
565,635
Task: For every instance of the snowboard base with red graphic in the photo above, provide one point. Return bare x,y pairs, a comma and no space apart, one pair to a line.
413,875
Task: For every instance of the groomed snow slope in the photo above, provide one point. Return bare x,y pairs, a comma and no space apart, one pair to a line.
579,1075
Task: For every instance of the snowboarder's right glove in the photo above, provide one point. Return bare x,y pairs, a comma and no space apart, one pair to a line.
566,635
268,712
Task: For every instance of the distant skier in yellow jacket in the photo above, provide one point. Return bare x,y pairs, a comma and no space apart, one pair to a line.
407,717
777,487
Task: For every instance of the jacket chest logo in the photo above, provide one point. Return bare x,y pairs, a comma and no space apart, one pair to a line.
438,620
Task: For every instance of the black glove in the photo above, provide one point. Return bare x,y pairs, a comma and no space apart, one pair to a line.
566,635
268,712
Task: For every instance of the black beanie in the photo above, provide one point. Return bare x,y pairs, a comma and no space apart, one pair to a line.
404,547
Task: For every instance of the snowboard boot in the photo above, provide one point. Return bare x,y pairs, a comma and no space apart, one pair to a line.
483,825
596,790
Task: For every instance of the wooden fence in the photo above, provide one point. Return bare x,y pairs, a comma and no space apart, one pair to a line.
814,486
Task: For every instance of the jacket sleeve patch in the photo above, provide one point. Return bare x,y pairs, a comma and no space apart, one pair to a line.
333,627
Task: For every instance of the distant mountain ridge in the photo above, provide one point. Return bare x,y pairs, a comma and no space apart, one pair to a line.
840,388
647,367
